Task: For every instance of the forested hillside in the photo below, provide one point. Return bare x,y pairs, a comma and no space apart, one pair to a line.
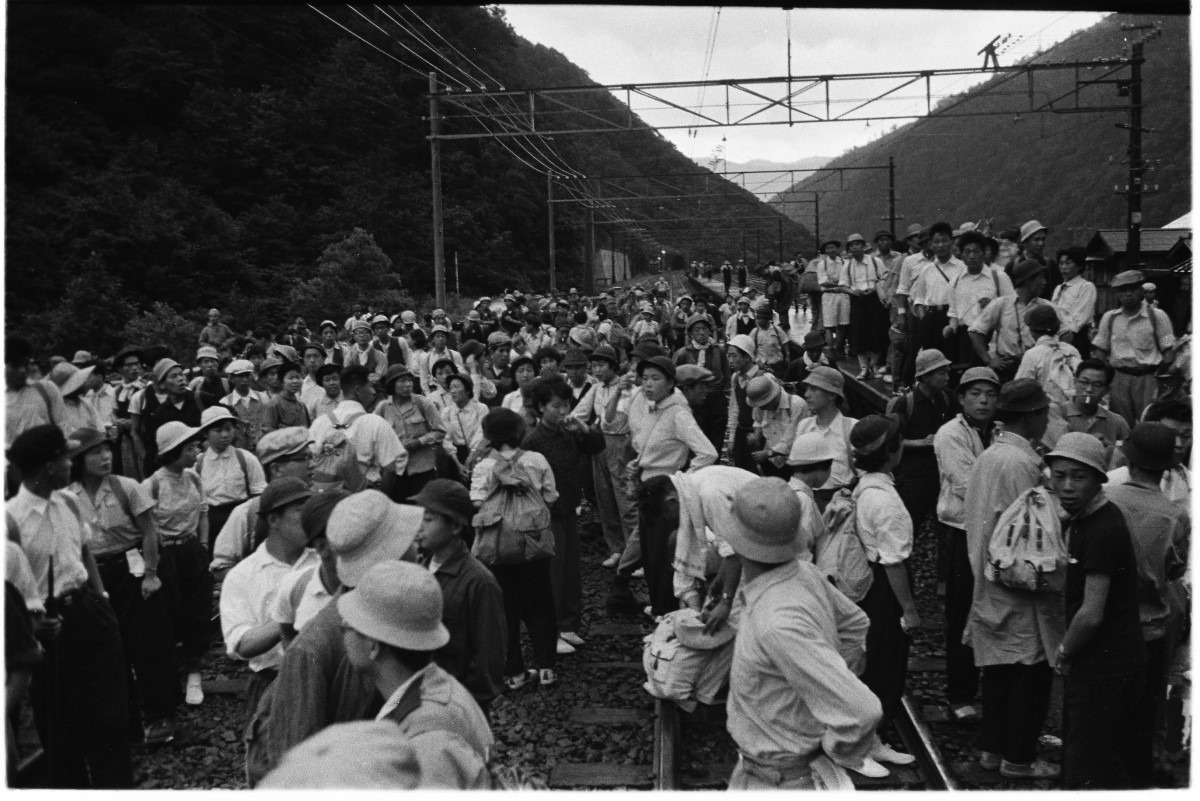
1057,168
264,160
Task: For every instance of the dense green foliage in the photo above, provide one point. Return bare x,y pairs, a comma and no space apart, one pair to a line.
1057,168
263,160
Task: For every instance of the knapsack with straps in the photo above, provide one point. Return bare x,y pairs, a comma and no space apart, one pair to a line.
513,522
1153,327
910,402
241,460
337,463
1026,550
44,393
841,556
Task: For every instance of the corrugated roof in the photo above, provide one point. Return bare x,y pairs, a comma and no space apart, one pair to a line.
1154,240
1183,268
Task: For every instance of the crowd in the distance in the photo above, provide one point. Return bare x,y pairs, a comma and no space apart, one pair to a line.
383,501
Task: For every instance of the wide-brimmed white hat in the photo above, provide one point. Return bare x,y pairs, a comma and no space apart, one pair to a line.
765,521
69,378
366,529
398,603
811,448
173,434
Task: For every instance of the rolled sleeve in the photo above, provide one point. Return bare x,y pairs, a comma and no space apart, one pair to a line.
882,516
237,613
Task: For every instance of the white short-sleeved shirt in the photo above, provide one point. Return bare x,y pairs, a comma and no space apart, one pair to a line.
375,442
223,478
248,597
301,595
884,525
112,526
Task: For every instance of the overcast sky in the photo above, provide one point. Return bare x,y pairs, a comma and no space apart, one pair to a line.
616,44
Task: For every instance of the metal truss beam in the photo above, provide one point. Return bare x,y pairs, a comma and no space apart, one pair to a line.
770,101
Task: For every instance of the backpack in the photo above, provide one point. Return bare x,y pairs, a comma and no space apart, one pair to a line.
677,672
512,526
1027,550
241,460
337,463
1060,372
841,556
44,393
910,401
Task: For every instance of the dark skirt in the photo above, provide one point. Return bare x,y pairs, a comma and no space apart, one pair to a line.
868,324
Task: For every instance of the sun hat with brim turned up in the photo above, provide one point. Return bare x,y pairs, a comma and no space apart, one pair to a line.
811,448
929,360
208,352
83,440
1150,446
366,529
1030,228
761,390
765,522
215,415
398,603
1087,449
828,379
69,378
173,434
743,343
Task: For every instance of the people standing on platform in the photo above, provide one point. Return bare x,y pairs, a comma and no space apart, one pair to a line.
835,304
970,293
1075,299
701,350
742,321
930,293
911,268
1102,656
770,341
248,404
726,275
1136,340
230,475
706,400
741,273
1000,335
1033,246
861,276
888,360
418,425
957,444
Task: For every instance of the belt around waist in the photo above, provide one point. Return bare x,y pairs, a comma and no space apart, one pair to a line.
793,767
170,542
106,558
1145,369
942,308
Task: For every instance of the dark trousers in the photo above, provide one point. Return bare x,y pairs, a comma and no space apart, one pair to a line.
1015,701
80,704
565,575
917,485
183,568
260,681
1100,717
912,331
739,455
408,485
146,634
887,644
962,677
217,517
528,597
1149,713
658,551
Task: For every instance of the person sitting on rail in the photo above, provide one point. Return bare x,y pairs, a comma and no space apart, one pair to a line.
1102,655
799,716
813,352
316,685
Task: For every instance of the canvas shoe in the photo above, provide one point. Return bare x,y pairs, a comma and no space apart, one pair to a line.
989,760
885,753
611,561
546,678
872,769
572,638
1037,769
195,693
563,648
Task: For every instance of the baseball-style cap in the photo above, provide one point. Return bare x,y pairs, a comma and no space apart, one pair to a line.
281,443
281,492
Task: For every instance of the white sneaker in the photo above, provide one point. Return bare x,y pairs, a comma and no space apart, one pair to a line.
564,647
572,638
639,573
195,694
611,561
885,753
872,769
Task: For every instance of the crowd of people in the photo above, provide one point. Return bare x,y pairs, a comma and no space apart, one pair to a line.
379,505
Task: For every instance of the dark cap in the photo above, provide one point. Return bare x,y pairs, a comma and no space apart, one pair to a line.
882,232
575,358
648,350
1151,446
446,497
662,363
547,353
394,374
606,353
280,492
329,368
873,432
83,440
472,347
1042,318
1026,270
312,346
317,509
356,373
814,340
37,446
1022,395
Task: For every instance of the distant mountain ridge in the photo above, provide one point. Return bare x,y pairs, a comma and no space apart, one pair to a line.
1060,169
768,188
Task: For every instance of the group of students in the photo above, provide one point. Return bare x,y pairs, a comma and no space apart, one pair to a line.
330,469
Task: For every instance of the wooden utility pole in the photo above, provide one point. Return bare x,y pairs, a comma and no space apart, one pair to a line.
550,224
435,172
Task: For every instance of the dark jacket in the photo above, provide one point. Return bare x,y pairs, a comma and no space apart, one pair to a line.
473,611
